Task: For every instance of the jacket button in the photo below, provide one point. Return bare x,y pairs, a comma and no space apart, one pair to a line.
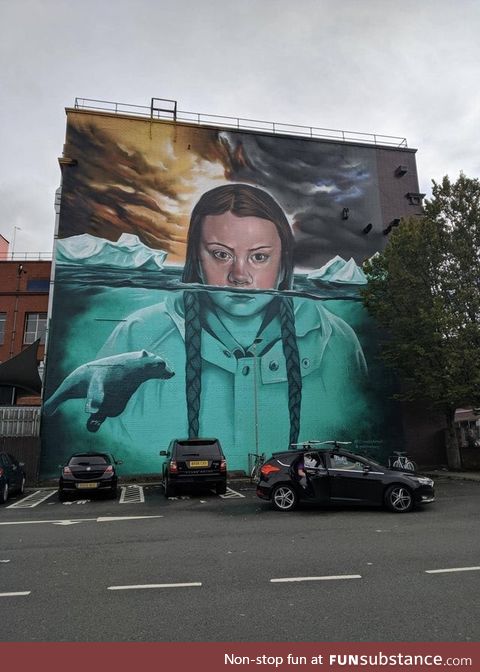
273,366
305,362
227,353
246,370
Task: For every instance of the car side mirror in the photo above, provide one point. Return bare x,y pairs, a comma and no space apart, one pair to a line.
163,453
118,461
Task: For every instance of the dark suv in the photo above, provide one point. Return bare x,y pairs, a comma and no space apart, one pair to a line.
194,462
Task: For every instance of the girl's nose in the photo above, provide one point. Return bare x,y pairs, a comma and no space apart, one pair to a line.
239,273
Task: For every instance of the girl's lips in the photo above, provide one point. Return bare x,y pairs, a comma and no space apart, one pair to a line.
240,298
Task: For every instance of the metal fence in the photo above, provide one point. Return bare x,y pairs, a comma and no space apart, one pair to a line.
19,421
26,256
170,112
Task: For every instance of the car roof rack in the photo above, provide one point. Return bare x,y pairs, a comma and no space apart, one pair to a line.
316,442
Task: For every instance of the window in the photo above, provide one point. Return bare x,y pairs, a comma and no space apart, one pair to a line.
35,327
345,463
3,319
38,284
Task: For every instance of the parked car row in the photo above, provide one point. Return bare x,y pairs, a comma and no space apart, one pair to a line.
330,475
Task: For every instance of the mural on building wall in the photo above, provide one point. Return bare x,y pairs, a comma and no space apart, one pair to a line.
206,284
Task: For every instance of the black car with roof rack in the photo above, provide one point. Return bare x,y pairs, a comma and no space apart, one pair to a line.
194,462
326,473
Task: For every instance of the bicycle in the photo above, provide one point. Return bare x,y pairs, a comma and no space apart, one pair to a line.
255,463
400,460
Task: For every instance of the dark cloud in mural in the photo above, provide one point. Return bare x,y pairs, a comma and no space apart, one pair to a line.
314,182
145,180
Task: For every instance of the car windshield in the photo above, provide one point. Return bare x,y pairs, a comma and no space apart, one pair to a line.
85,460
197,450
188,454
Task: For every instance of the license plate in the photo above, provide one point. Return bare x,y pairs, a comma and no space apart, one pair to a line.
198,463
86,486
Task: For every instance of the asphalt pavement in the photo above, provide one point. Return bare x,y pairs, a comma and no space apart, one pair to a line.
212,568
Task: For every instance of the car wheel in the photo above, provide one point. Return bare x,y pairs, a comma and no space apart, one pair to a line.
4,493
62,496
399,499
169,488
284,498
221,488
113,493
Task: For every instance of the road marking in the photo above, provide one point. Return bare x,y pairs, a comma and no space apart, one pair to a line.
231,494
316,578
24,592
66,521
155,585
112,519
77,501
32,500
453,569
132,494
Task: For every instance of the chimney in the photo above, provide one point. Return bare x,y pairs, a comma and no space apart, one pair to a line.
4,245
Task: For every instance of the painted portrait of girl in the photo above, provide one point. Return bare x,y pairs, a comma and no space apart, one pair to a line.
244,358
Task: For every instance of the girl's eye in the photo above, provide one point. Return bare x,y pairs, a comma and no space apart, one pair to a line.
222,255
260,257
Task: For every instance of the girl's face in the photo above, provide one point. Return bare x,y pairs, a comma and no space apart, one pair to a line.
240,252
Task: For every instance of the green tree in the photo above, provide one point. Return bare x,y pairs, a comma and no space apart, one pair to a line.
424,290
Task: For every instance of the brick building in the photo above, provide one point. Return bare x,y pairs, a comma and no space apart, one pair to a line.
24,290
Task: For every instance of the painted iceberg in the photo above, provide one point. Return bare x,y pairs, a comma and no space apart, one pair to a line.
127,252
339,271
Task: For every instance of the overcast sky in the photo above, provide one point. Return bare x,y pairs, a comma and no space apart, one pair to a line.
409,69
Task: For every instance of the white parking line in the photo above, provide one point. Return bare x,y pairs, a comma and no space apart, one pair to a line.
452,569
231,494
155,585
66,521
112,519
32,500
132,494
316,578
24,592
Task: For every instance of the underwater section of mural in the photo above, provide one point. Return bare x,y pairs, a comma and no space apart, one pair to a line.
207,284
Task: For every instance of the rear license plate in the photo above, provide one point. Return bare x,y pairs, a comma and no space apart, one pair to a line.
198,463
86,486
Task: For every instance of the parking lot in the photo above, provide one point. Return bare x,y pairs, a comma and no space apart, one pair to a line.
228,568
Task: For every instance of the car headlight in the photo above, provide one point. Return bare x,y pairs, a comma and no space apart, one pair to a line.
422,479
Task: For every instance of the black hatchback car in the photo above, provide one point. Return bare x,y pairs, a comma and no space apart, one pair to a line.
336,476
12,476
194,462
88,472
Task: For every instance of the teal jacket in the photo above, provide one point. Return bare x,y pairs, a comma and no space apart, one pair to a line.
244,401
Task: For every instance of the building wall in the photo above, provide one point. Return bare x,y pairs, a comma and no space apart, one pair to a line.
21,294
4,245
152,339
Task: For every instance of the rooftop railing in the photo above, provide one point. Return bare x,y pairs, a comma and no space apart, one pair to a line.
164,109
26,256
